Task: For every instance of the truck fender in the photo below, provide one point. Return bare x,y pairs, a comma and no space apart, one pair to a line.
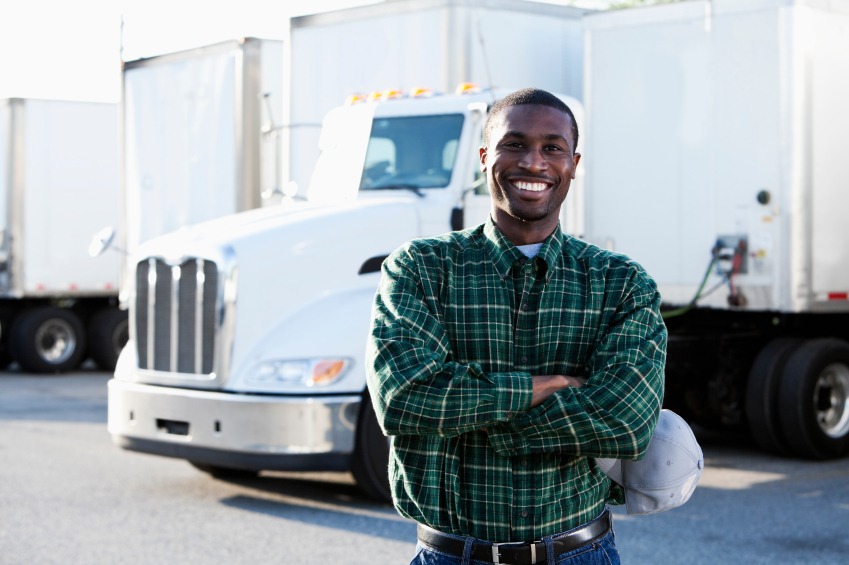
332,326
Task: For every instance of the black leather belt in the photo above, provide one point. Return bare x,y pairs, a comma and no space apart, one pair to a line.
520,553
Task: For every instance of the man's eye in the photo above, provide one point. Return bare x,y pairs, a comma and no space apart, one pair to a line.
553,148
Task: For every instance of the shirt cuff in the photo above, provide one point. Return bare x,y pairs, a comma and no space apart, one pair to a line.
515,392
506,441
518,389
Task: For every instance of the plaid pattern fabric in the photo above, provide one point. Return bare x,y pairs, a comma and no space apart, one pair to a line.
460,323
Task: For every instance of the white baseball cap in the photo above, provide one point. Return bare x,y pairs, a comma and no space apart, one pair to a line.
668,473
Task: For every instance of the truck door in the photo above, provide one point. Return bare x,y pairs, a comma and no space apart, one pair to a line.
476,201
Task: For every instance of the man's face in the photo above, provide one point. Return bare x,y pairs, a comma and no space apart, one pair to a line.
529,165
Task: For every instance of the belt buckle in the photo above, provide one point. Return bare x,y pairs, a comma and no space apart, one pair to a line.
496,554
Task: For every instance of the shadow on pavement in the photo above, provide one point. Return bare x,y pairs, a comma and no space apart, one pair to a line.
325,499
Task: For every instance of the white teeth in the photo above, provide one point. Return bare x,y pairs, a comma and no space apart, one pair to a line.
532,186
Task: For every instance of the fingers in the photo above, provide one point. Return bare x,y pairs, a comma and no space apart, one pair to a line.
577,382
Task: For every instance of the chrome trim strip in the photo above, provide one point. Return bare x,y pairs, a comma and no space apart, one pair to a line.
200,279
174,322
153,376
151,309
228,274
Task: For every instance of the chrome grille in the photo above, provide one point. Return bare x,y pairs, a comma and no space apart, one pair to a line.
175,315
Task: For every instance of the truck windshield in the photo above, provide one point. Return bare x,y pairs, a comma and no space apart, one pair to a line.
411,152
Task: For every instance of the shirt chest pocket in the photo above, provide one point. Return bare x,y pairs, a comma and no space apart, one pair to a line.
477,319
567,329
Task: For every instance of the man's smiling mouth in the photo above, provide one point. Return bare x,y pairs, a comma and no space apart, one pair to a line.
531,186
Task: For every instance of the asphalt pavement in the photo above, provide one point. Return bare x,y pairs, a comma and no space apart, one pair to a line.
69,496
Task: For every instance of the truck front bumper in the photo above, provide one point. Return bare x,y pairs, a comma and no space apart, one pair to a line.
239,431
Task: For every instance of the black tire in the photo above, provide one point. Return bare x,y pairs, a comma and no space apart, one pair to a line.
5,357
108,332
224,473
814,399
48,340
762,395
370,464
6,315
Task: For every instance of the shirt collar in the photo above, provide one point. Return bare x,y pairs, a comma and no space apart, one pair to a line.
504,254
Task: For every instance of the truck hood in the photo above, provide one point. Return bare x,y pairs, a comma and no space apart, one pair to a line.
275,260
268,224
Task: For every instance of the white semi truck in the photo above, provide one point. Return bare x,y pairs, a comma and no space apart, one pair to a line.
248,332
59,184
713,155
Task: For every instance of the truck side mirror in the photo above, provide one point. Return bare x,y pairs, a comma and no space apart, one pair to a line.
101,241
456,218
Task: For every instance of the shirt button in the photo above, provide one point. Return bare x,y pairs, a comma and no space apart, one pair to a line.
525,307
524,359
524,462
524,513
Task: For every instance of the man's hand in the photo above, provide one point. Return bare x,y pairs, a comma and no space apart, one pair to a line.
546,385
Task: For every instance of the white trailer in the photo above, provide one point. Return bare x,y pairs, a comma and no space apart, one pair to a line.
201,135
714,157
59,184
409,44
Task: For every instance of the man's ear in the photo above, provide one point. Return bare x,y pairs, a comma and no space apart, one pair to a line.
576,159
483,159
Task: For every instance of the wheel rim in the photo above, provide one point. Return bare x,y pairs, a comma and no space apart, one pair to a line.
55,341
831,400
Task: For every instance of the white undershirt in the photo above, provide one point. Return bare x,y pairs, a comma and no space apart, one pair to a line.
530,251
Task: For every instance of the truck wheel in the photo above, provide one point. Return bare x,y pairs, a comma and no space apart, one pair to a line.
762,395
814,399
370,465
48,340
108,332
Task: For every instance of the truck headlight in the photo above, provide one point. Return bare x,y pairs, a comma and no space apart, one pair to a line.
299,372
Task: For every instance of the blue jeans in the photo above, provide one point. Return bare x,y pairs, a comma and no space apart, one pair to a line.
601,552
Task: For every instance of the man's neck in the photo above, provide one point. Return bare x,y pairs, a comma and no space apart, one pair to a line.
525,233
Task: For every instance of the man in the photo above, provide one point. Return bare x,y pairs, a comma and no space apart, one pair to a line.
504,359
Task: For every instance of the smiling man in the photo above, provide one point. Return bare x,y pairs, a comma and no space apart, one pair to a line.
505,358
530,165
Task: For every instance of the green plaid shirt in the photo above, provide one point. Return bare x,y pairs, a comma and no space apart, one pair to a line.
460,323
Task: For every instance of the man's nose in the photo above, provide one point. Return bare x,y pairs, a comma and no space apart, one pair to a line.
533,160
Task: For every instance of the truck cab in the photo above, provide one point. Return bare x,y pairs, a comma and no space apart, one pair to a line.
247,333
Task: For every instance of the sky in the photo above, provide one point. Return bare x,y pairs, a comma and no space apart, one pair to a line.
72,49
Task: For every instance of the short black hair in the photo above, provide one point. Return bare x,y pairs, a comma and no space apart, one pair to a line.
529,96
